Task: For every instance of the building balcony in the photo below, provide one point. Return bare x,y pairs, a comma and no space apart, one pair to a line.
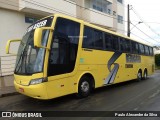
39,7
99,18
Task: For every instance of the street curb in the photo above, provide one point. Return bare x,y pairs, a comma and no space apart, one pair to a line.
8,94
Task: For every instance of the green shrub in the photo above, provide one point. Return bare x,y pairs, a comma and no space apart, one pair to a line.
157,60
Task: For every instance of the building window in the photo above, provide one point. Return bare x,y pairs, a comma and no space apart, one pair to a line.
114,13
120,19
30,19
102,6
121,1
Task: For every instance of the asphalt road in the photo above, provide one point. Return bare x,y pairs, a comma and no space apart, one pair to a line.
128,96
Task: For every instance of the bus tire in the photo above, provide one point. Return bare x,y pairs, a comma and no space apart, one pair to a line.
84,87
145,75
139,75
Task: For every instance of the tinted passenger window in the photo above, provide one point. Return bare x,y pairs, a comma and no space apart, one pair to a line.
135,47
146,50
151,51
88,41
128,46
98,39
115,43
125,45
92,38
141,47
108,41
122,44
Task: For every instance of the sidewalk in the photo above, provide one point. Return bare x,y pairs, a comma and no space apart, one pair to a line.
6,86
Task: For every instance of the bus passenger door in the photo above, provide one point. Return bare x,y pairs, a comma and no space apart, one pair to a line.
63,55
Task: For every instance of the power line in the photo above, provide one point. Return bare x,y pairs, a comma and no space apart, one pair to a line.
143,21
152,22
142,38
136,36
145,33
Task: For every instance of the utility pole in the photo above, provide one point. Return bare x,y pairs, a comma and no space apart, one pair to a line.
128,26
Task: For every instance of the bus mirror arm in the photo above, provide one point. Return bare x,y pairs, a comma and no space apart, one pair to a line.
38,36
8,45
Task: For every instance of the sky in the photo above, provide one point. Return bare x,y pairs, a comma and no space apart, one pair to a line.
149,12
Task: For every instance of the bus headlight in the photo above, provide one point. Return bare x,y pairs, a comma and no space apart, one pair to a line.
37,81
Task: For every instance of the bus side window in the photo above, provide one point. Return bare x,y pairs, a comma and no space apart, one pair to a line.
108,41
141,48
151,51
122,44
115,43
146,50
128,46
88,41
98,35
135,48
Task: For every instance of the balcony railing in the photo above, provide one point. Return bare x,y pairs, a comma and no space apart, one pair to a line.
7,64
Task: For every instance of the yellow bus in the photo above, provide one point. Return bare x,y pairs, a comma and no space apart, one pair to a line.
61,55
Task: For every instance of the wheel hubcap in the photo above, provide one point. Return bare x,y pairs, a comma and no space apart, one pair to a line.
145,75
85,86
139,75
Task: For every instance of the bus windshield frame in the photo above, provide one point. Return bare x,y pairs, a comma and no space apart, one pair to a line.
30,59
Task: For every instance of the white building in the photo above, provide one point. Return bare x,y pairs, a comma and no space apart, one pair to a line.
17,15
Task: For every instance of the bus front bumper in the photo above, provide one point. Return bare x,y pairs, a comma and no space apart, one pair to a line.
37,91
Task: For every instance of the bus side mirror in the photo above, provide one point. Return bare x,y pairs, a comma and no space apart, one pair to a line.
8,45
39,35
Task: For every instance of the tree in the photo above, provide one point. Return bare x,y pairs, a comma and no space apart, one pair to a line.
157,60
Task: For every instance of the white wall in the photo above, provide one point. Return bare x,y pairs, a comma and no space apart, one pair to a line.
12,26
9,4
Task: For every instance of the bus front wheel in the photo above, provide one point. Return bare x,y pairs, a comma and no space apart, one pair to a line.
84,87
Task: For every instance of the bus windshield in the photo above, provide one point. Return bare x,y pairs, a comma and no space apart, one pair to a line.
30,59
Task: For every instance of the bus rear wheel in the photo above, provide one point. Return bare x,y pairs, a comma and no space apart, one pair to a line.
145,74
139,75
84,87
